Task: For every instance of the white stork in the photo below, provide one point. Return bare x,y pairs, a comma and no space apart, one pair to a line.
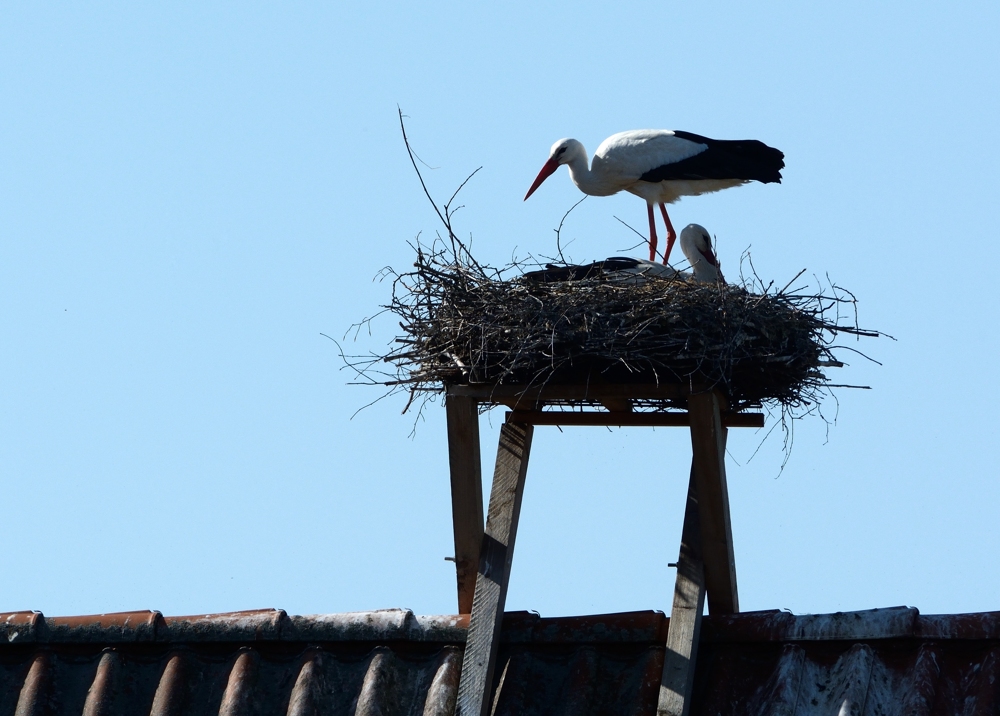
696,243
661,166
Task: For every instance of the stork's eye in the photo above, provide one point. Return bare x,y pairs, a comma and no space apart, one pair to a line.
560,151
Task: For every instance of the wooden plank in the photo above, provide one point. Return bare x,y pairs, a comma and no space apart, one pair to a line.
526,396
466,493
479,660
684,630
708,465
595,418
617,405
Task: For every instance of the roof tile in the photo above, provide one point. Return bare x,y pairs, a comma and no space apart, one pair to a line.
393,662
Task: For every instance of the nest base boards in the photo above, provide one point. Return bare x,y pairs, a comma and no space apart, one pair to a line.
706,567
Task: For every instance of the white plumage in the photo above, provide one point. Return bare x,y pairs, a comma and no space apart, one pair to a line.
696,243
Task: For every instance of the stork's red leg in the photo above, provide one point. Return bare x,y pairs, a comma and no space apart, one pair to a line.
652,234
671,234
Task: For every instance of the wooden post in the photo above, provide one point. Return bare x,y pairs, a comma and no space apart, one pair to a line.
706,566
684,630
708,470
466,493
496,553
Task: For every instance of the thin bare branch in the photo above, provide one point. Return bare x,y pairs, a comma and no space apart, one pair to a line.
559,229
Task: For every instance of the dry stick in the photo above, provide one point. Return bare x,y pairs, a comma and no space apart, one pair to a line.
792,281
644,238
447,204
559,229
753,268
854,350
447,223
409,151
449,212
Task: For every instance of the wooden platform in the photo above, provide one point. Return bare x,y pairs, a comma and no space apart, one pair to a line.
706,566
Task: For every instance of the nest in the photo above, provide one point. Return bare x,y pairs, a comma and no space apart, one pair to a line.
467,323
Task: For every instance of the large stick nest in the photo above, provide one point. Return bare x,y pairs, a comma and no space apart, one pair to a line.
464,322
468,323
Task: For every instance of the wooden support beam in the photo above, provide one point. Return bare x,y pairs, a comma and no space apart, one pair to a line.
623,419
616,405
466,493
526,396
479,660
684,630
708,467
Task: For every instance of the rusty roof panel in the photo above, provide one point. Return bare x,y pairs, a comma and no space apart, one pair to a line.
109,628
579,680
393,662
890,623
527,627
254,625
386,625
911,676
381,626
985,625
20,626
871,624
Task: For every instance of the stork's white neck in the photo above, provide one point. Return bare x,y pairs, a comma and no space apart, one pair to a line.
587,181
704,271
700,267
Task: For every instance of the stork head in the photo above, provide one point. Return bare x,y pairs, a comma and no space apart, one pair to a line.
563,152
696,243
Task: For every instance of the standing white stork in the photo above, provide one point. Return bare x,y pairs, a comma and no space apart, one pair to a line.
661,166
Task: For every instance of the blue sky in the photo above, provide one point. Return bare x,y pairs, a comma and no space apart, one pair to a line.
191,195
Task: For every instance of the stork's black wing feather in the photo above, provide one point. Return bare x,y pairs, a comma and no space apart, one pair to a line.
745,159
572,272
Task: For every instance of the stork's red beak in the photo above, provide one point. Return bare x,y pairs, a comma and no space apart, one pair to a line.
710,256
550,166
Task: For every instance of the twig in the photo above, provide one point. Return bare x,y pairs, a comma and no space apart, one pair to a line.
794,278
559,229
444,217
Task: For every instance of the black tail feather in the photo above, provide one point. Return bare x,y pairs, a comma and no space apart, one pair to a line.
745,159
553,273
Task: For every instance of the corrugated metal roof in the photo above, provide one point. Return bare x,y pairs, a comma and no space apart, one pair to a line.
888,661
393,662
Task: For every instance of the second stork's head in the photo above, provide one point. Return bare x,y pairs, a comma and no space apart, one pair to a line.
563,152
696,243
